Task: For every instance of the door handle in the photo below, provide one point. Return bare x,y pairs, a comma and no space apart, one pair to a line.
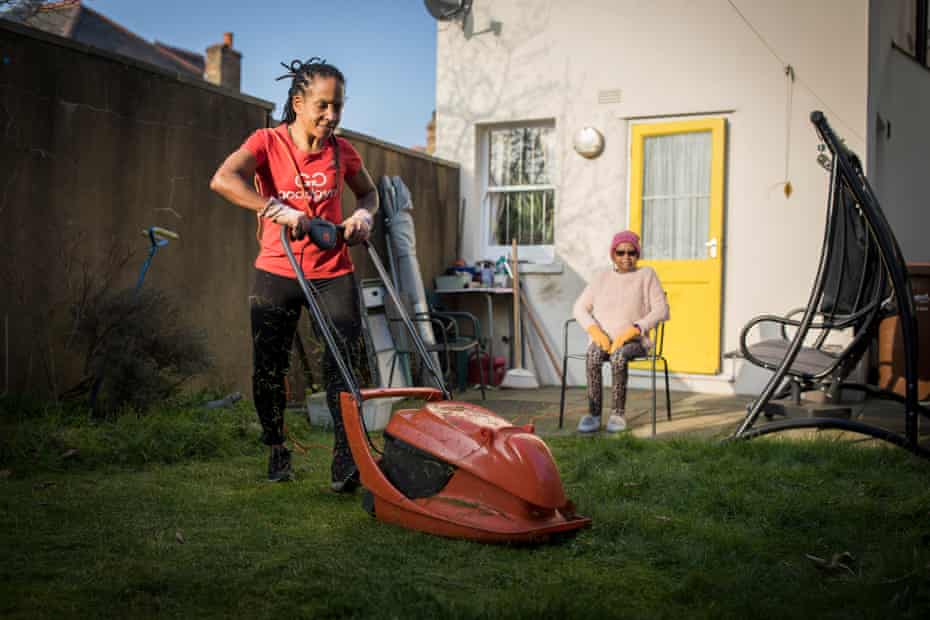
712,247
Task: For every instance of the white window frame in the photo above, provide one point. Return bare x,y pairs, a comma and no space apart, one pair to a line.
542,254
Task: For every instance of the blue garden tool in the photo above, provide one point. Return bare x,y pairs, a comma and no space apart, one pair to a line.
159,238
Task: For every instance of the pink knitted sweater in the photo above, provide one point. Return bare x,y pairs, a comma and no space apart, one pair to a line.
615,301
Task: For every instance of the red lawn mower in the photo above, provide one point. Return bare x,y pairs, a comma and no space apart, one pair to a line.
448,468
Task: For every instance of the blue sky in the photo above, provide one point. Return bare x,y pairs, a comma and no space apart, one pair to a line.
385,48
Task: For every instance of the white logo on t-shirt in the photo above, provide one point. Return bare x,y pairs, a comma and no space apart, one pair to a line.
317,179
308,184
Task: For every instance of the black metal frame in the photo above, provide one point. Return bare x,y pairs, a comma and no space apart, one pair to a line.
321,318
456,342
846,176
653,355
449,340
855,295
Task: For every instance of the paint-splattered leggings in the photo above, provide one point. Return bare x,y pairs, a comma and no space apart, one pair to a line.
275,307
596,356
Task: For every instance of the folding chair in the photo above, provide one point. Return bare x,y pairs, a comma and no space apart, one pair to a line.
654,355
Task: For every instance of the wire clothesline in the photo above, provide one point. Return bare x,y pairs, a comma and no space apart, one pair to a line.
794,75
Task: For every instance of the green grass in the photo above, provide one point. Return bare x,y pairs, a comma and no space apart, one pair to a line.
167,515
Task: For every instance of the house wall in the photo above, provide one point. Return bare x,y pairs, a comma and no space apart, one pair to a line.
899,94
97,147
668,59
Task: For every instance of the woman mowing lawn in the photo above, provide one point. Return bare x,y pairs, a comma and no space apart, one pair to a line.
617,309
299,168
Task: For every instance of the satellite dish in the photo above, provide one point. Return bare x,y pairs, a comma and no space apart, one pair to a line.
448,10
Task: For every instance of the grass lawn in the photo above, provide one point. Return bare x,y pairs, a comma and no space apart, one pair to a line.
168,515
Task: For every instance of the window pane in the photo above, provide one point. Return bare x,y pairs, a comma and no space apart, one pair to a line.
927,26
905,36
524,216
676,195
520,156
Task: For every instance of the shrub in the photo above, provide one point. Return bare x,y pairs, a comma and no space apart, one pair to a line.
137,350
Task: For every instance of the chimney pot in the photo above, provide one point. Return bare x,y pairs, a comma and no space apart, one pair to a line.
227,39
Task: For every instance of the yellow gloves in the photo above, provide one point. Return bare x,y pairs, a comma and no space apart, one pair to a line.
599,337
631,332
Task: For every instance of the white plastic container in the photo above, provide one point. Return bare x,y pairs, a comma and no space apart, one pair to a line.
453,282
377,413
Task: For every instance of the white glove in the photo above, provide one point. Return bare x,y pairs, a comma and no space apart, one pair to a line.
358,226
280,213
364,215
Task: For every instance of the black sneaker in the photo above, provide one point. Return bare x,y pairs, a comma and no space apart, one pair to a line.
348,484
345,477
279,465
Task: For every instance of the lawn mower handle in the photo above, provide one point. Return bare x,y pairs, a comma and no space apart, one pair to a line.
428,394
318,316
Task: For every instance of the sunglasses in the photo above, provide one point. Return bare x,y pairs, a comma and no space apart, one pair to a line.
626,253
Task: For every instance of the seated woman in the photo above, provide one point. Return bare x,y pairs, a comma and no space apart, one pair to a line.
617,309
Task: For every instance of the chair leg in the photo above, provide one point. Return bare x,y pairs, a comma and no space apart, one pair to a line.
668,396
391,374
653,395
481,375
562,397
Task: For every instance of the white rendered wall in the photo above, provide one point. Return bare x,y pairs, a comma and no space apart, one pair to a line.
899,162
669,58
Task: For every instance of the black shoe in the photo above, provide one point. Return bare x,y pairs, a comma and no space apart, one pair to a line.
346,485
345,477
279,465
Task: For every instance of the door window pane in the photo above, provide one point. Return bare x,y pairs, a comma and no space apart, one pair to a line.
905,35
926,33
676,195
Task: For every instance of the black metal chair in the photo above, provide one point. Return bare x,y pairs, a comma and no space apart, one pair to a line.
448,336
654,355
861,279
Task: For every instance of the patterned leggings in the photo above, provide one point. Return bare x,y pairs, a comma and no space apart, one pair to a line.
596,356
275,307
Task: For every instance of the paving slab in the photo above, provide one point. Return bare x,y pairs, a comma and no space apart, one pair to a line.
693,414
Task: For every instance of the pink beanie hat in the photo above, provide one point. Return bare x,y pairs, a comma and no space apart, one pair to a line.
626,236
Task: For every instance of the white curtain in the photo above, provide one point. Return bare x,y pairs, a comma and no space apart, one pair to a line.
676,195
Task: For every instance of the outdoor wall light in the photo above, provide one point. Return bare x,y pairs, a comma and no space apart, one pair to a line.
588,142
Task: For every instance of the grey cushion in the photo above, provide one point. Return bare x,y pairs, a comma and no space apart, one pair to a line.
808,363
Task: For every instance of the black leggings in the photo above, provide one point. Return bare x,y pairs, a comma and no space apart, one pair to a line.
275,307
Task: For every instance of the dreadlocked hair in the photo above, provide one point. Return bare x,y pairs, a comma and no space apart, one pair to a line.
302,74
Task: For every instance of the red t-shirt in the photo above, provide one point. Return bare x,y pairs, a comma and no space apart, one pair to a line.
278,178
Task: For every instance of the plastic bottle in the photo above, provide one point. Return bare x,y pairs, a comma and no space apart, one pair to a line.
487,274
500,272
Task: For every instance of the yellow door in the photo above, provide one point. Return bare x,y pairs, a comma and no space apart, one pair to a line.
676,205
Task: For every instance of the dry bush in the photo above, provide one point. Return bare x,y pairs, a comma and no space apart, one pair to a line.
137,349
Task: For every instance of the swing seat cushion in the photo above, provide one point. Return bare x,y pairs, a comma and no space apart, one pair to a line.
809,363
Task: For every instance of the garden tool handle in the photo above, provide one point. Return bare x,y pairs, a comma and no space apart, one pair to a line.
161,233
